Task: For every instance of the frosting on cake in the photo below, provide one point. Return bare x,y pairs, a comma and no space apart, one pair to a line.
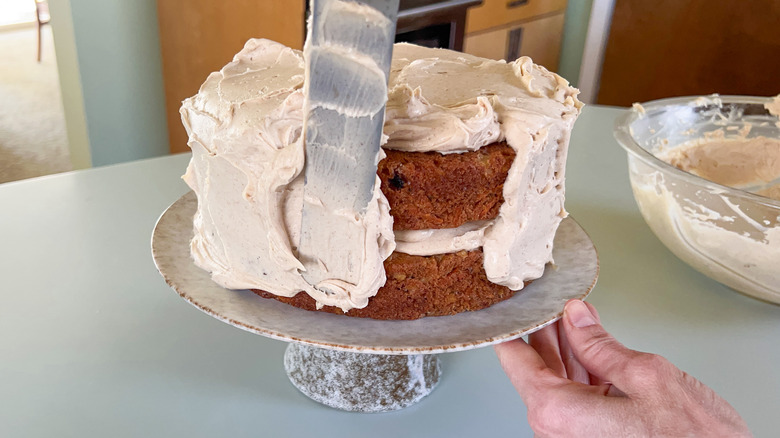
245,129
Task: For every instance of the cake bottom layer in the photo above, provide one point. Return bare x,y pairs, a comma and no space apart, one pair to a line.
420,286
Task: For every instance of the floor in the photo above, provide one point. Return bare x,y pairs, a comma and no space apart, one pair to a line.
13,12
33,139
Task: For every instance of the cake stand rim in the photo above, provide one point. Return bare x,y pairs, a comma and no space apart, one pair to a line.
158,257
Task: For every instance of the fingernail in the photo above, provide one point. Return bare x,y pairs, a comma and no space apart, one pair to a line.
578,314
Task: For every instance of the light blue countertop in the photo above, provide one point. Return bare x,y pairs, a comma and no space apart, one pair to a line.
93,343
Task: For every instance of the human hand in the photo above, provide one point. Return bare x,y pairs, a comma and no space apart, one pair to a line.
577,380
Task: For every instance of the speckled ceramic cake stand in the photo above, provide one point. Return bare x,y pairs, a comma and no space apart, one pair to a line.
368,365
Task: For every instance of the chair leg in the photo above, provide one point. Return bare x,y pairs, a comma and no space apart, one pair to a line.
39,42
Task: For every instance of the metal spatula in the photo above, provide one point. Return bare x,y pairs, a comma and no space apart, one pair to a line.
348,53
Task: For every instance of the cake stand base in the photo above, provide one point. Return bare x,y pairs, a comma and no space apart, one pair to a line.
361,382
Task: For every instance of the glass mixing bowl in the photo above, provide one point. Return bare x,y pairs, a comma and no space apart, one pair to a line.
731,235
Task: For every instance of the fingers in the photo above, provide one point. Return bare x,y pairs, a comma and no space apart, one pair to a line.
573,368
599,352
545,342
556,405
593,311
554,348
581,410
595,380
525,368
650,396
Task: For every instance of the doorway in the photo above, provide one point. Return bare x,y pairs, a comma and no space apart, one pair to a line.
33,137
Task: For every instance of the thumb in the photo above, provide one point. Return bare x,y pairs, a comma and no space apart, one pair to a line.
598,351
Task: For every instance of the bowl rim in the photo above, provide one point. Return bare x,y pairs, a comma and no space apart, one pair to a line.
624,138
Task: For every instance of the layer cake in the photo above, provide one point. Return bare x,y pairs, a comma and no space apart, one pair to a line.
468,196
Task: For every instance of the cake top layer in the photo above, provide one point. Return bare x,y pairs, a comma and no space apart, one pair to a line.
438,99
436,70
245,129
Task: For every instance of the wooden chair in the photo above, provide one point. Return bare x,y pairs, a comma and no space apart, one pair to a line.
43,17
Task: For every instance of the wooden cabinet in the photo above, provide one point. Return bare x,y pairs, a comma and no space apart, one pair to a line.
508,29
667,48
198,37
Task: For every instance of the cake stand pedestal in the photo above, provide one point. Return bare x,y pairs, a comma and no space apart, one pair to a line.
361,382
367,365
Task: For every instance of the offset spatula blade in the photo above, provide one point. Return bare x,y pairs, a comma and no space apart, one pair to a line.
348,53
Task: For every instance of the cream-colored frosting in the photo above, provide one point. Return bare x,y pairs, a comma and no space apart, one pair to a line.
466,237
735,162
453,102
245,132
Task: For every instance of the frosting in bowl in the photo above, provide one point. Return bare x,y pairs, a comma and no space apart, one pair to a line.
734,162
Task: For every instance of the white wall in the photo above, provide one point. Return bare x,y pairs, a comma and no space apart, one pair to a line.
111,57
118,49
595,44
70,84
574,32
586,32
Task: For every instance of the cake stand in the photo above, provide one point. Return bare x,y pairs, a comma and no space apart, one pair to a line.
367,365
